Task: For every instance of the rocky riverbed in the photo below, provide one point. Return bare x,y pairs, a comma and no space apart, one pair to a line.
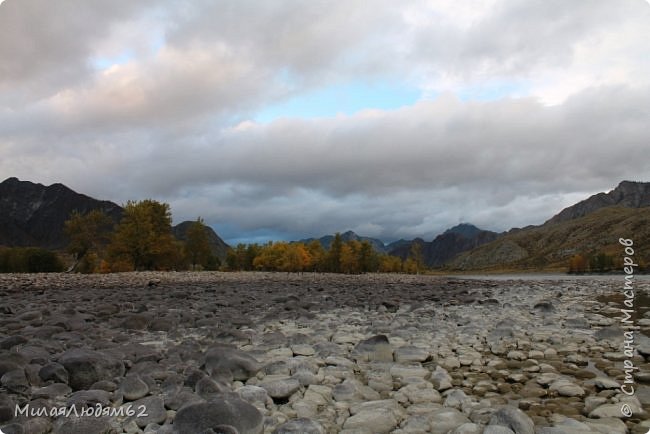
253,353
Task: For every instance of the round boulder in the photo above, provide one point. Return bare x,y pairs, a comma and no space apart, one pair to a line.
86,367
224,359
199,418
300,426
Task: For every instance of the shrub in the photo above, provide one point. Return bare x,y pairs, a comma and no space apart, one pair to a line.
29,260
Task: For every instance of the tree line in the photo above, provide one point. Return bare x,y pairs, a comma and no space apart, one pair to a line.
598,262
143,240
349,257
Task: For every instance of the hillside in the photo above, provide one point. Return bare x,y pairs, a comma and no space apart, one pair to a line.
551,245
627,194
326,241
33,214
218,246
447,245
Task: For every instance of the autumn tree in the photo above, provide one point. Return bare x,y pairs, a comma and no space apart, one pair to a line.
143,240
577,264
294,257
389,264
269,257
349,258
317,255
197,246
89,234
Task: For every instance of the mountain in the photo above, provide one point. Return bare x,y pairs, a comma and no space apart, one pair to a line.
218,246
326,241
447,245
588,228
33,214
627,194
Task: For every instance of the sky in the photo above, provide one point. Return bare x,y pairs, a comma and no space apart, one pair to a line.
290,119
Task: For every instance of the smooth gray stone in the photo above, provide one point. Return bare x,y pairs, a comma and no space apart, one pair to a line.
300,426
86,367
132,388
513,418
197,418
83,425
240,364
54,372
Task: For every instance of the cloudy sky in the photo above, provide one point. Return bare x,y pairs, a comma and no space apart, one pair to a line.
290,118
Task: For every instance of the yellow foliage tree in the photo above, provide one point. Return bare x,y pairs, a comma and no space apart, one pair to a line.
89,234
390,264
144,238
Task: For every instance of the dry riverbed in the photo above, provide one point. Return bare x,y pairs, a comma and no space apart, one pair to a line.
253,353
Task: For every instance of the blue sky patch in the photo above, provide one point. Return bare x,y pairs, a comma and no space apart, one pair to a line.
341,99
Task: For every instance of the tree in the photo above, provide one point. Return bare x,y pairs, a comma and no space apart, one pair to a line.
577,264
144,239
368,258
416,257
601,263
317,255
333,259
28,260
349,259
197,245
89,234
294,257
390,264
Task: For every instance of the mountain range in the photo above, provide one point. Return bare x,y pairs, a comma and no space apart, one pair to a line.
435,253
33,215
590,227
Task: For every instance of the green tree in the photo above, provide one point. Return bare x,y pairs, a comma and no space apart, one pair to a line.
416,263
89,234
144,237
242,257
197,246
333,259
390,264
29,260
368,258
601,263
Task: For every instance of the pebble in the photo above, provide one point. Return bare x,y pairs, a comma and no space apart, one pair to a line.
317,353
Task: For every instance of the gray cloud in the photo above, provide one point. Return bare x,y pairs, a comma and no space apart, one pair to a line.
171,120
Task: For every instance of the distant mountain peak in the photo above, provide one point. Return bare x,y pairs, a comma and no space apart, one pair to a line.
447,245
33,214
349,235
464,229
628,194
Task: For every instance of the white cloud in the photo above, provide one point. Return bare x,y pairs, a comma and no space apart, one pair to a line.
527,105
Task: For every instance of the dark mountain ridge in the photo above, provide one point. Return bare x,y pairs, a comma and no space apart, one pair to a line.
435,253
449,244
33,214
218,247
326,241
590,227
628,194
